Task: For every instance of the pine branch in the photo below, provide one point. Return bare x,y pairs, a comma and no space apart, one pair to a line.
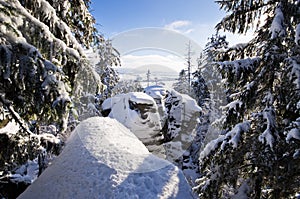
15,116
241,14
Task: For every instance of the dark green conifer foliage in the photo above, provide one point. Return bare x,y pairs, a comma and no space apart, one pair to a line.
258,156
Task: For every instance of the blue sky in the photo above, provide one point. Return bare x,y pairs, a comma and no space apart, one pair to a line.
195,19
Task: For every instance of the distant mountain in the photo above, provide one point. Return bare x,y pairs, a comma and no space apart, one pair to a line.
154,69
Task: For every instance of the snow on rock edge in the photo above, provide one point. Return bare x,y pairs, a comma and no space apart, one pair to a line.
103,159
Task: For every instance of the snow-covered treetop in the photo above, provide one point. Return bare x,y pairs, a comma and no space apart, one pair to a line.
243,13
261,119
42,49
46,25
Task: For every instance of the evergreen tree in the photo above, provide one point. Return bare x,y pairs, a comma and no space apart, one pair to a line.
209,126
199,88
42,46
212,74
109,57
258,155
182,84
208,90
41,55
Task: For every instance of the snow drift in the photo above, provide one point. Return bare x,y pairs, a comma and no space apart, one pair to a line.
103,159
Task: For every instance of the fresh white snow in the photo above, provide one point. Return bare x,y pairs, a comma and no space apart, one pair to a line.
138,112
11,128
103,159
129,116
277,27
141,98
156,92
30,169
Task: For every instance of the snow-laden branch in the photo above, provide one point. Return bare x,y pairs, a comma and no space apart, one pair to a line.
270,134
49,14
15,115
294,72
211,147
20,16
239,68
293,132
277,27
232,137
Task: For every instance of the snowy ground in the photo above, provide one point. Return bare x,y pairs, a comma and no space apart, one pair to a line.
103,159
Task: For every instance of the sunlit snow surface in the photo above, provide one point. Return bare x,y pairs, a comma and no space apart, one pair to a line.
103,159
138,112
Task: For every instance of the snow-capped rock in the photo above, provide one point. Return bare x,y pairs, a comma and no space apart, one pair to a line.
103,159
180,128
167,134
138,112
158,93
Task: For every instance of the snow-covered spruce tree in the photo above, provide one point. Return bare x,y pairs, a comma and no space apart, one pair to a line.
208,90
182,84
213,80
41,55
199,88
109,57
102,78
200,92
41,51
258,156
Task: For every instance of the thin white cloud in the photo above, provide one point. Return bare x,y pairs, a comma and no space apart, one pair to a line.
189,31
182,26
177,24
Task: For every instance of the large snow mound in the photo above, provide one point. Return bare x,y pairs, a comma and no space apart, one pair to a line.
103,159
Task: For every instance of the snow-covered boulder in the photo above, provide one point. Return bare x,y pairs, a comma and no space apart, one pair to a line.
103,159
158,93
180,128
138,112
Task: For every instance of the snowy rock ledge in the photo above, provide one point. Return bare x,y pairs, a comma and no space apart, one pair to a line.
103,159
139,113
